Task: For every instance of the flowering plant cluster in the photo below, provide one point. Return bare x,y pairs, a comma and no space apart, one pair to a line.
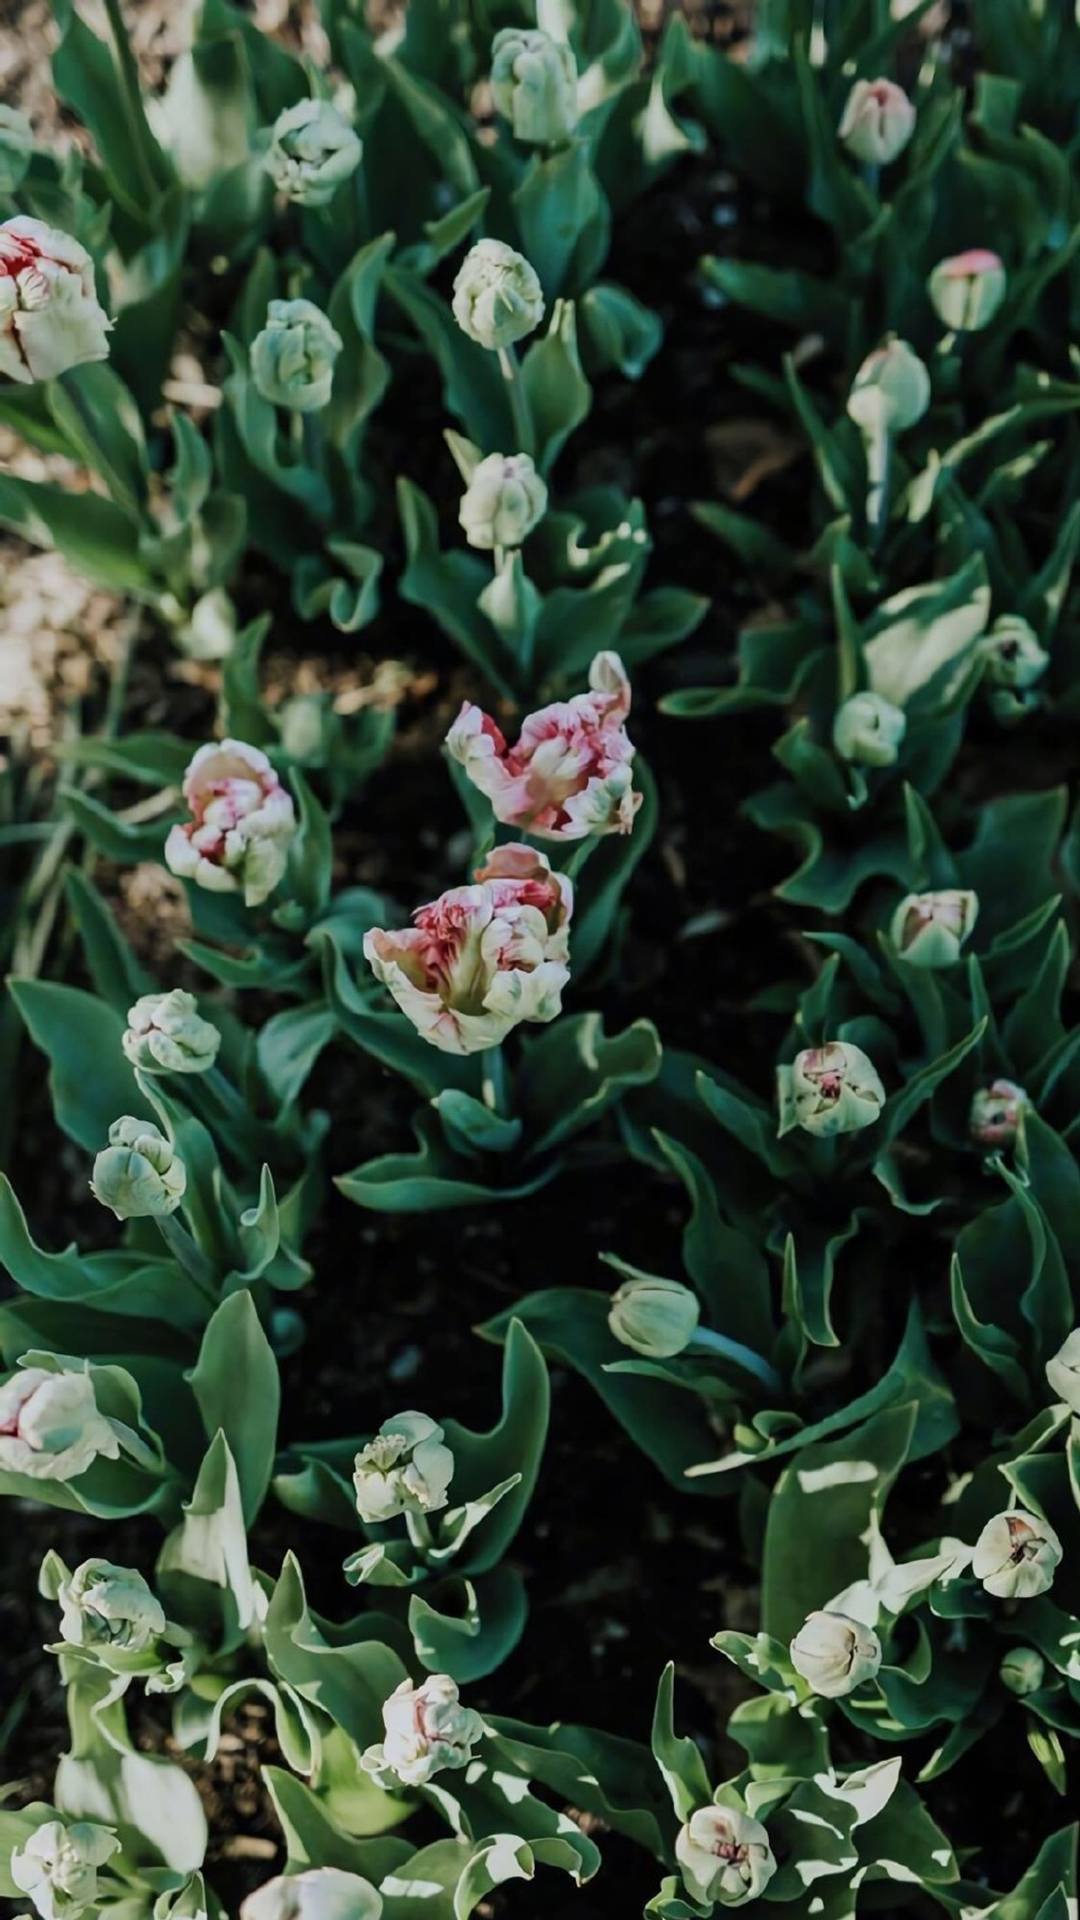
484,1153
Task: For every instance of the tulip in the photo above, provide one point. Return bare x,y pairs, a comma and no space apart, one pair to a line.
292,359
724,1856
243,822
891,389
1022,1671
534,85
504,501
868,730
831,1089
658,1318
967,289
497,296
58,1866
313,150
929,929
1016,1555
1063,1372
877,122
1012,653
109,1606
165,1034
481,959
50,1426
996,1112
139,1175
404,1469
50,317
322,1893
571,772
834,1653
428,1731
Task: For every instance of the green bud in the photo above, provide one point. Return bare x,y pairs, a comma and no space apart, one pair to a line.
138,1174
869,730
891,390
1012,653
1022,1670
534,85
16,146
165,1034
292,359
504,501
313,150
655,1317
497,296
929,929
831,1089
103,1605
967,289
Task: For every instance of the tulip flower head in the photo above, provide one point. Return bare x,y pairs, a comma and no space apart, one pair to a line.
656,1317
1063,1372
967,289
242,823
570,773
292,359
1012,653
322,1893
312,151
404,1469
50,317
1022,1671
1016,1555
139,1175
877,122
724,1856
868,730
503,502
165,1034
428,1731
835,1654
996,1113
534,85
929,929
50,1426
481,959
103,1605
831,1089
891,390
58,1866
497,296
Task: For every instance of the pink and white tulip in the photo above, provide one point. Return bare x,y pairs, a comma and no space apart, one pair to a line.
50,1426
50,317
571,772
241,826
481,959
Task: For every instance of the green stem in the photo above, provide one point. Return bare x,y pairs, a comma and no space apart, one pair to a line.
142,138
188,1256
705,1341
519,400
878,462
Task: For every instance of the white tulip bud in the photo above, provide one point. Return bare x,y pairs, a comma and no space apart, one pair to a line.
58,1866
503,502
1022,1671
497,296
312,151
891,390
50,318
103,1605
50,1427
996,1113
834,1653
967,289
1012,653
322,1893
427,1731
831,1089
404,1469
929,929
877,123
1016,1555
653,1316
165,1034
139,1175
868,730
724,1856
534,85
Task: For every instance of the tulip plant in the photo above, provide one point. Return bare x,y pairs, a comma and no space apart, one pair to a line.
485,1156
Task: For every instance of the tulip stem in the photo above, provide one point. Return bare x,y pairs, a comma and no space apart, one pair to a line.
519,399
705,1341
493,1090
188,1255
878,462
142,139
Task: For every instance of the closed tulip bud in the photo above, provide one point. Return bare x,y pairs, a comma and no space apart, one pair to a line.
503,502
534,85
50,317
313,150
967,289
404,1469
58,1866
996,1112
1016,1555
480,960
139,1175
1063,1372
831,1089
103,1605
1022,1671
655,1317
242,823
497,296
835,1654
165,1034
292,359
322,1893
1012,653
16,146
50,1426
929,929
877,123
724,1856
428,1731
891,390
868,730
